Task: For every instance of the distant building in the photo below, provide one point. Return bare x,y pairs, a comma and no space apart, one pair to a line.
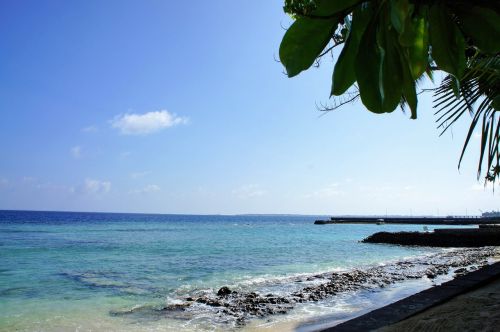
490,214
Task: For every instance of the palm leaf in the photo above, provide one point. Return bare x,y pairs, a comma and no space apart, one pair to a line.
477,91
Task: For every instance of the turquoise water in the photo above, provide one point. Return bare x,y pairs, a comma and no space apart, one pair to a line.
68,271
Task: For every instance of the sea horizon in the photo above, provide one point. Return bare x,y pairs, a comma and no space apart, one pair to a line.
240,214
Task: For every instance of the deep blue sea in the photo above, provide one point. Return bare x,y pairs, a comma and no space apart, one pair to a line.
64,271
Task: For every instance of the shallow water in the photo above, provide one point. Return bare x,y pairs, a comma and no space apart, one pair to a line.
72,271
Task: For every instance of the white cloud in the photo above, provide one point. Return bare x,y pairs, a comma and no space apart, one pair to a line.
93,186
76,152
137,175
125,154
249,191
328,191
147,189
28,179
89,129
147,123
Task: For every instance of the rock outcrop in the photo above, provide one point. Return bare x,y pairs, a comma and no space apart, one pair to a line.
474,237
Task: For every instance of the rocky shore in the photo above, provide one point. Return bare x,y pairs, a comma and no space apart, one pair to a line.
474,237
235,308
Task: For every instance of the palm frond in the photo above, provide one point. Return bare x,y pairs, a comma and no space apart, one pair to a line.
477,92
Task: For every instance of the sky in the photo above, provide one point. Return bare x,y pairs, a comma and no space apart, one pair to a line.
182,107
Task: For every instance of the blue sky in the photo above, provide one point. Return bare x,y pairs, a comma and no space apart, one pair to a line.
181,107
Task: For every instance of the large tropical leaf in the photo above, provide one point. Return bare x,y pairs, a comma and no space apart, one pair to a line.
415,39
483,26
447,41
344,74
304,41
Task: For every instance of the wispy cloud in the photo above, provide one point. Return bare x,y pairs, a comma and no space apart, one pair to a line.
93,186
89,129
328,191
147,123
28,179
137,175
249,191
76,152
125,154
150,188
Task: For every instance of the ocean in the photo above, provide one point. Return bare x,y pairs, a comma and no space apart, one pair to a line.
68,271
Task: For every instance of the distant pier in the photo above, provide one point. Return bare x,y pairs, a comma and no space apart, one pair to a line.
449,220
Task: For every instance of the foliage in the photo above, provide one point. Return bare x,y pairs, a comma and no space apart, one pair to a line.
388,45
480,85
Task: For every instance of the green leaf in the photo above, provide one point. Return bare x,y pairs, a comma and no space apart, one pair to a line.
409,92
455,86
416,39
496,103
410,95
304,41
378,66
392,75
399,13
344,74
333,7
483,26
448,45
368,69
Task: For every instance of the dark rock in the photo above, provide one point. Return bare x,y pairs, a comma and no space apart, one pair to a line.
202,300
213,303
460,271
473,237
224,291
173,307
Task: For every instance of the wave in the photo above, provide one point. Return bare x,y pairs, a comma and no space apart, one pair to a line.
260,297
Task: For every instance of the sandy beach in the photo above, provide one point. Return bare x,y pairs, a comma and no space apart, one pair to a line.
477,310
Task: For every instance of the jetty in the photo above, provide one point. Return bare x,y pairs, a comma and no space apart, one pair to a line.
445,237
448,220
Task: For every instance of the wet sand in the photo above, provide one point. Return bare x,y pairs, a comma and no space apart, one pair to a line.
470,302
478,310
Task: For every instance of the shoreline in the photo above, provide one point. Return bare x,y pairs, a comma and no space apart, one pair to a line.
241,309
331,322
410,311
294,321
